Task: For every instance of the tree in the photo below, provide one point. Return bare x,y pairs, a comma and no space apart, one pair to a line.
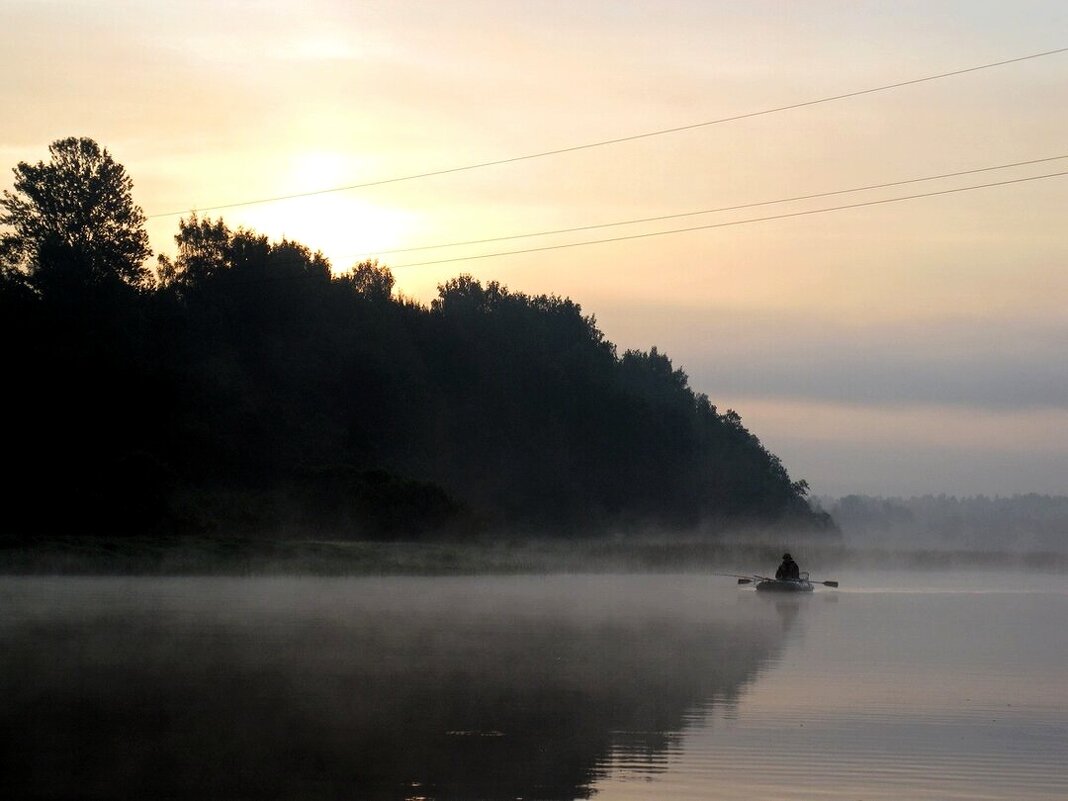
203,251
73,220
371,280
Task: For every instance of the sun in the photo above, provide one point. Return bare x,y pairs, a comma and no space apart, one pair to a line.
346,226
310,171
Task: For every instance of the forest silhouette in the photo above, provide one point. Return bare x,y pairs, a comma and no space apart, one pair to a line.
242,386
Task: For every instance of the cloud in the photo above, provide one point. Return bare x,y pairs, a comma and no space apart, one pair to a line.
911,449
985,363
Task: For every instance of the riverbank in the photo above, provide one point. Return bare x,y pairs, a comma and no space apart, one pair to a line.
277,556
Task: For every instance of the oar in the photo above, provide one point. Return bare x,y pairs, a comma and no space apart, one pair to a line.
762,578
741,579
754,577
751,579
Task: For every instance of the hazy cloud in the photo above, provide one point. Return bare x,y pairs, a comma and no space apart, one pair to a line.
983,363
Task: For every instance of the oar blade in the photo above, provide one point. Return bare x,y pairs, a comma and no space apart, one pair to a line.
829,583
745,581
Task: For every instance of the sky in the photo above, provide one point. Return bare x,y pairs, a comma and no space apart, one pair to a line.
902,348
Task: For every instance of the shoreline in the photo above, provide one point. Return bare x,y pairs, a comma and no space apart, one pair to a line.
233,556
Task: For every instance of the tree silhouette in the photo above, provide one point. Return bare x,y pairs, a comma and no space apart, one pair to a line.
248,388
372,280
73,220
203,251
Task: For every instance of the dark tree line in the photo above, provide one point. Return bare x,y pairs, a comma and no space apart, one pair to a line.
244,386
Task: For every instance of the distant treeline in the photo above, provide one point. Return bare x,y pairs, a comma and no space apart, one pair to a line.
1020,522
243,386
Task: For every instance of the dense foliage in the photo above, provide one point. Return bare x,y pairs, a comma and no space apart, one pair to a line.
73,222
248,387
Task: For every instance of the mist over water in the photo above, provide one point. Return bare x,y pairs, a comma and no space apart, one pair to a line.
933,685
382,688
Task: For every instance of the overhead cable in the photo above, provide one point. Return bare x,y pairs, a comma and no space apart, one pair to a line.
615,141
728,224
720,209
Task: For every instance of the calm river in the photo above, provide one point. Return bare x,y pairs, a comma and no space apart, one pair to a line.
904,686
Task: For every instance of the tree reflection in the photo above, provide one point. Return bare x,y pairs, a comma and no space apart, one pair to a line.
495,697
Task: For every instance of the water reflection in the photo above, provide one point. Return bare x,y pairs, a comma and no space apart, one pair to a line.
378,689
941,687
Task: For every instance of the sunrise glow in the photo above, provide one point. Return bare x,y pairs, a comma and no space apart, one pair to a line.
228,118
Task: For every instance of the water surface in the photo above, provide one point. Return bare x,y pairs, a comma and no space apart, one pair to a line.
928,686
935,686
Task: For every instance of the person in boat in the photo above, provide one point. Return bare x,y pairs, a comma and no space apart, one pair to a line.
788,569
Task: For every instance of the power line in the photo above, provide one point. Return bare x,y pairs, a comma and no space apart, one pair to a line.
710,211
728,224
615,141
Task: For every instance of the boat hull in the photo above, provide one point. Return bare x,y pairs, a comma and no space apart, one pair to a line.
784,585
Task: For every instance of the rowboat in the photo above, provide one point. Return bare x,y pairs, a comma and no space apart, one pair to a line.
785,585
768,584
